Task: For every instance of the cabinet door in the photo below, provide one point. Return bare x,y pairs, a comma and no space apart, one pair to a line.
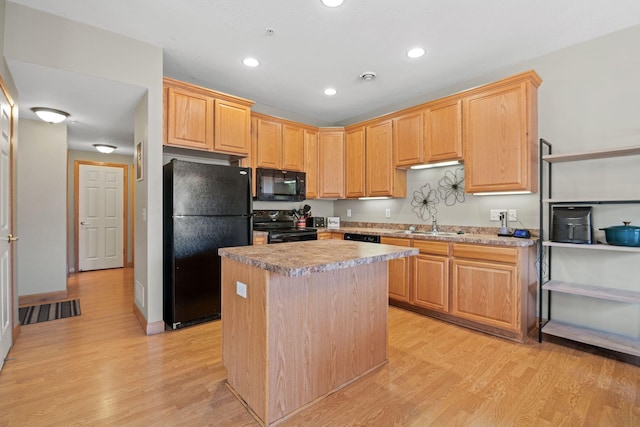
379,162
189,119
431,282
292,148
311,162
324,236
331,162
443,131
268,148
500,139
354,163
486,292
232,128
408,139
398,271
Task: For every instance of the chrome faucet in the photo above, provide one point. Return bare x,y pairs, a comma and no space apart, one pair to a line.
434,224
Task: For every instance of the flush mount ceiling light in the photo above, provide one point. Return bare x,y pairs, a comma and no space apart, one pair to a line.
367,76
251,62
104,148
50,115
330,91
416,52
332,3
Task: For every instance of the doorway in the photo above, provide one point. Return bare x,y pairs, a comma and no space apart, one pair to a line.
100,215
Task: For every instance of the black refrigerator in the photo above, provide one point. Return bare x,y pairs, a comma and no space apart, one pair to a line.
205,207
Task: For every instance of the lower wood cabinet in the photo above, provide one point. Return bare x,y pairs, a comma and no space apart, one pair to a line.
398,271
495,286
430,280
260,239
484,287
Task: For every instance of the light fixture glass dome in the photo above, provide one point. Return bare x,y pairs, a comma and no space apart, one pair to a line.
50,115
332,3
104,148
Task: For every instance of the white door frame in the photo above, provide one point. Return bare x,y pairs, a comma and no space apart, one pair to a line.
125,206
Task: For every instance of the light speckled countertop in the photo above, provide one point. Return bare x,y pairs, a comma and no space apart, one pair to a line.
480,238
314,256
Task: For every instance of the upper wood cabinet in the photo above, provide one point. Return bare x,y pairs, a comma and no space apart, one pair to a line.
268,143
408,141
355,162
279,144
501,136
443,131
202,119
311,166
292,147
331,163
382,178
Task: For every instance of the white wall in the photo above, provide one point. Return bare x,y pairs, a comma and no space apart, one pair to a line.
53,41
41,197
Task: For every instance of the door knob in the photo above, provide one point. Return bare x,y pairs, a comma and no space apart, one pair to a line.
11,238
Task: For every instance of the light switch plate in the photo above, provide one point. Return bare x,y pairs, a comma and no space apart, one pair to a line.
494,214
387,213
348,213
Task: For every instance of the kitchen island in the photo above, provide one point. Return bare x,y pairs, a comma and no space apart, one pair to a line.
302,320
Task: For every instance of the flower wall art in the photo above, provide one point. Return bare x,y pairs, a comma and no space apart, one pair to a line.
450,190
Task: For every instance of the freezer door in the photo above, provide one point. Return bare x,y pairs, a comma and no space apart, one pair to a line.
197,263
205,189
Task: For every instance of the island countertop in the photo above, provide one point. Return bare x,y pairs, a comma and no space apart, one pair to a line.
314,256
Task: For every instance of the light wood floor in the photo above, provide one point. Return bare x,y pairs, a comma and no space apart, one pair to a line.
99,369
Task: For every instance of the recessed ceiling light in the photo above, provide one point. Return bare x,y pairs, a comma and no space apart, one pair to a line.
251,62
330,91
416,52
332,3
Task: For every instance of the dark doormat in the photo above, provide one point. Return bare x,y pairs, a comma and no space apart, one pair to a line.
46,312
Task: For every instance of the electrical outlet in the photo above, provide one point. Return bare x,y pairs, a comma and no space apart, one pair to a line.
494,214
348,213
387,213
241,289
513,215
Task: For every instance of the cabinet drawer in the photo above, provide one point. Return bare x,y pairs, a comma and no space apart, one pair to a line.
395,241
431,247
489,253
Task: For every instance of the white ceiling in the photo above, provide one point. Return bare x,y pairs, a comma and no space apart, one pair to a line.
312,47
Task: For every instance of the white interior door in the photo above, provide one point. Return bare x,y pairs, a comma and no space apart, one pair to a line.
6,296
100,217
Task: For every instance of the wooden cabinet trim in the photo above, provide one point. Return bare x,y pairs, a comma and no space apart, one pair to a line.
205,91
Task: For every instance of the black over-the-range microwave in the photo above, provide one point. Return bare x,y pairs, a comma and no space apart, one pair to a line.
280,185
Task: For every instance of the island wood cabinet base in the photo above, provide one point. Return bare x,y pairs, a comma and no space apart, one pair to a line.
289,341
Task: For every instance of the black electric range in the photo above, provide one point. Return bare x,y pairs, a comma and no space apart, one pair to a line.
280,224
